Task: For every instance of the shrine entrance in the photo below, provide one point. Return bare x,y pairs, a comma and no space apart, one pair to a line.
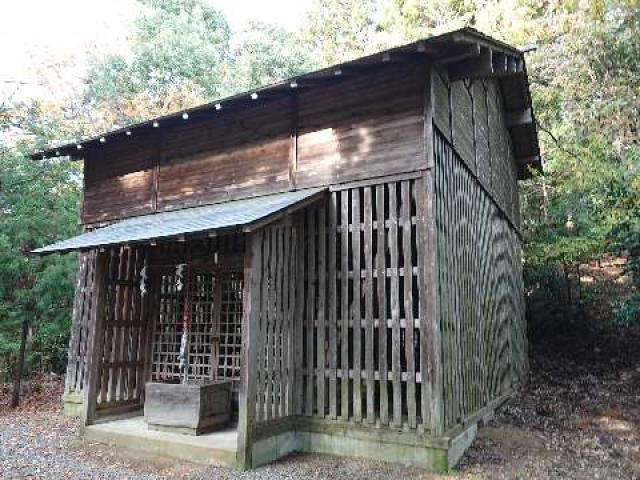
195,290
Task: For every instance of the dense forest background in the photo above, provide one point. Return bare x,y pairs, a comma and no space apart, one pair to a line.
585,79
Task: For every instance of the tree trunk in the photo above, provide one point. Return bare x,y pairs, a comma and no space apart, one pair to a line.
15,398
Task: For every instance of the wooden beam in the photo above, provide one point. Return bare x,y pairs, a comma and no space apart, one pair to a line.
479,66
250,313
518,117
451,56
499,61
427,137
94,339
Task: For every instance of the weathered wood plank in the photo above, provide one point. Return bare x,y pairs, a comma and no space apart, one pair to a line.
395,307
321,315
368,293
407,253
382,304
96,335
356,313
333,293
344,304
250,346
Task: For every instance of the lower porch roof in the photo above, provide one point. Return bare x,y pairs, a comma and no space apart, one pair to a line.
246,215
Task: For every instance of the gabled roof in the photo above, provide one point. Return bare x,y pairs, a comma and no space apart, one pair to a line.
466,53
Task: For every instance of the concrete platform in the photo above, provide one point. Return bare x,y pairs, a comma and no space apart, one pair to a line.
218,448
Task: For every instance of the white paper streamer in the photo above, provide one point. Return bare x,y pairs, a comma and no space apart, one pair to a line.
143,281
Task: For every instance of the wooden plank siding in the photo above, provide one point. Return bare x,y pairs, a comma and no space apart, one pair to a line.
119,178
481,298
355,127
470,115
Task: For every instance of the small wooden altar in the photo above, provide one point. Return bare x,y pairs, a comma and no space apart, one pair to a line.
189,408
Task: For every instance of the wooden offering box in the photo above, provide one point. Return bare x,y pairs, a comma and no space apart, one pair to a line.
188,408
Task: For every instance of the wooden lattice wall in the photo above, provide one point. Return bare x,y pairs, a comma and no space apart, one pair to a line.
359,318
480,284
215,310
274,305
121,351
76,365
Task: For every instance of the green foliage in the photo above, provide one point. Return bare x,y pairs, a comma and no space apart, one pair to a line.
266,53
627,314
179,53
339,30
38,201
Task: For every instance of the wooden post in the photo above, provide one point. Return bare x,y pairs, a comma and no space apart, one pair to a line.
429,311
430,336
250,313
95,337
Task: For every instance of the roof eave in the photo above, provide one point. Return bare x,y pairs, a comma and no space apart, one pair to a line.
425,49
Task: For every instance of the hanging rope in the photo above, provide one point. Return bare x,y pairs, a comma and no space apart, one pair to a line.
186,320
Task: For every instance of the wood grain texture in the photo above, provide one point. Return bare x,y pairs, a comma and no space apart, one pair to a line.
273,304
470,115
355,128
481,297
377,331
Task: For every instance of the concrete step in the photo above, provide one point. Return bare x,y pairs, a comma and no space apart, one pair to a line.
217,448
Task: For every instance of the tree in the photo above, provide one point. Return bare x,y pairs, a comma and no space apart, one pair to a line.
39,204
339,30
266,53
179,54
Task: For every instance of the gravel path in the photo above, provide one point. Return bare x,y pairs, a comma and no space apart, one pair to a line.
46,446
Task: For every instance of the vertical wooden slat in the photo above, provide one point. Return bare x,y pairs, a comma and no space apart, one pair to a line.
143,357
356,314
396,372
107,347
321,332
408,302
289,302
86,314
344,304
368,289
311,311
333,353
262,342
381,273
74,361
270,322
277,327
299,317
118,337
135,324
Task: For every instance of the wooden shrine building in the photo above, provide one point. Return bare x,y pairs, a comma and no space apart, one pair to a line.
340,251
